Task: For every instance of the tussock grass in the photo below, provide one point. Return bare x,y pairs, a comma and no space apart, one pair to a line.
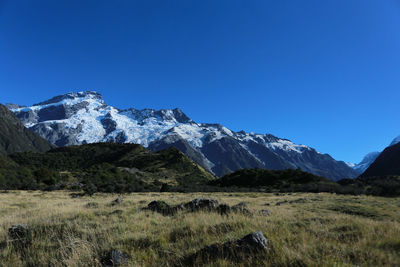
305,230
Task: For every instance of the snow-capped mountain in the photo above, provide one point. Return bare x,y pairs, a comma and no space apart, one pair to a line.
370,158
366,162
395,141
84,117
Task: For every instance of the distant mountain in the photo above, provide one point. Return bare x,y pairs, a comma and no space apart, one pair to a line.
366,162
14,137
370,158
387,163
84,117
395,141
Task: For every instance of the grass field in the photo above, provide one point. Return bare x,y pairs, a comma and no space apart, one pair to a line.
303,230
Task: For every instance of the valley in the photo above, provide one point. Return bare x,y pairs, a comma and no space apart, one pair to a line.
302,229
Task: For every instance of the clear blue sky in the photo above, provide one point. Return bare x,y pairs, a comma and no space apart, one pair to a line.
321,73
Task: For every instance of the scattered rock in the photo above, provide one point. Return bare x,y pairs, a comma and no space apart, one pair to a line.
224,209
241,208
202,204
250,245
163,208
92,205
114,258
118,200
265,212
254,242
20,235
198,204
281,202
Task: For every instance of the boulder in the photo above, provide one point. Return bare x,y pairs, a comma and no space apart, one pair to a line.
202,204
265,212
253,244
114,258
241,208
118,200
163,208
20,234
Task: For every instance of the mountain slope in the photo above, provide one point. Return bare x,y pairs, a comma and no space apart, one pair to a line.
109,164
387,163
370,158
84,117
14,137
366,162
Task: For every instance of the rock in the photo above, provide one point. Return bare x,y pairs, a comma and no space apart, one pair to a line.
265,212
250,245
118,200
157,205
20,234
202,204
255,241
281,202
114,258
92,205
163,208
224,209
241,208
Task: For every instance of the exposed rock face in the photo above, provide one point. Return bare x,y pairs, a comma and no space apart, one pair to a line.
84,117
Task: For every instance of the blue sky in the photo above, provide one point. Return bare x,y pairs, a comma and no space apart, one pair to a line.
321,73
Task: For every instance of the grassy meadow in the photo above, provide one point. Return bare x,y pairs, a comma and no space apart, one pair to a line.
304,229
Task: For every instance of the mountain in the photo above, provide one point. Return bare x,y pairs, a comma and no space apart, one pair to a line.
395,141
14,137
366,162
387,163
370,158
84,117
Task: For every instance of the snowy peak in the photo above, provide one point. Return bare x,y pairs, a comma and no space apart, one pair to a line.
395,141
84,117
175,115
371,157
366,162
73,98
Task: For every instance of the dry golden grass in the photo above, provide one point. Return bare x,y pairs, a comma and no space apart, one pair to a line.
307,230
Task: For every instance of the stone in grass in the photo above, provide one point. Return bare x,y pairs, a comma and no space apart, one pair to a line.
118,200
250,245
163,208
114,258
202,204
242,208
265,212
20,235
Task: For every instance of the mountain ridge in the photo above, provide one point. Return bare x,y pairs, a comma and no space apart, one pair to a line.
84,117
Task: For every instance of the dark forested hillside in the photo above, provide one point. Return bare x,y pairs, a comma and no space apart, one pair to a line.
387,163
110,167
14,137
